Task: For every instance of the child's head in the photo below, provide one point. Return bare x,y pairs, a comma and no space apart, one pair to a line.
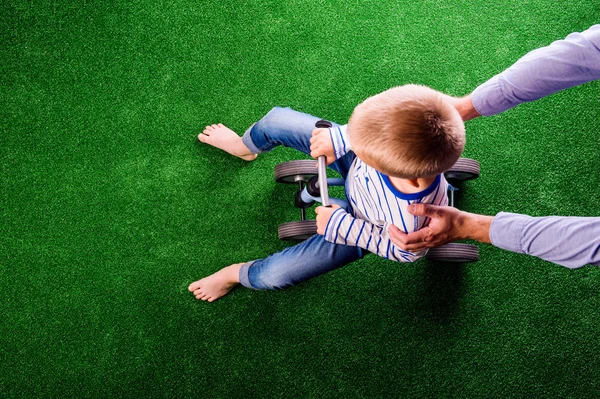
409,132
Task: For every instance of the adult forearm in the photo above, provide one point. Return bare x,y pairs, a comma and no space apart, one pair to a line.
465,108
470,226
569,241
544,71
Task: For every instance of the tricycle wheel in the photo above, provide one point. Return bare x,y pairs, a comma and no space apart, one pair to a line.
464,169
294,171
299,230
454,252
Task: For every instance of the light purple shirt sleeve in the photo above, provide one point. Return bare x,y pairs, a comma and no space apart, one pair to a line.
541,72
568,241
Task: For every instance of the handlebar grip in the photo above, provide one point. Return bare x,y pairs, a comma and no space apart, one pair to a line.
321,124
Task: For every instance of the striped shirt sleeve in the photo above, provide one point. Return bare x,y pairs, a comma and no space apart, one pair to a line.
339,138
345,229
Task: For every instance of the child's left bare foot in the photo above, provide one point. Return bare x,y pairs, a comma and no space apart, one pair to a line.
218,284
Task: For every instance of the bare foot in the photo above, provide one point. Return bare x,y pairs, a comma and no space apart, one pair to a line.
218,284
226,139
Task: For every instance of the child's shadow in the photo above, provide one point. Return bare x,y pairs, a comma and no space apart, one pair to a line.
441,292
443,282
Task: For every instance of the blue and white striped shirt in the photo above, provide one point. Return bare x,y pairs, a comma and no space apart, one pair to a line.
376,204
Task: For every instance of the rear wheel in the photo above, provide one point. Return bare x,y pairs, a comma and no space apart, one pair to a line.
454,252
299,230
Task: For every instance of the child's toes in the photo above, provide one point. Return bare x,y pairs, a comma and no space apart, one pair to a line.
202,137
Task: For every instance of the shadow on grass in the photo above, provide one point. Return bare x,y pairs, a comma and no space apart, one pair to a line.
442,289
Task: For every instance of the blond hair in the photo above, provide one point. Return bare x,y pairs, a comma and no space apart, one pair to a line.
408,132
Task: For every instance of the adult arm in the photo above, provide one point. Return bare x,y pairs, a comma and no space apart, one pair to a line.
544,71
568,241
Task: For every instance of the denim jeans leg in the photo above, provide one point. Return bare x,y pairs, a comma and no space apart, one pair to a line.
284,126
281,126
299,263
315,256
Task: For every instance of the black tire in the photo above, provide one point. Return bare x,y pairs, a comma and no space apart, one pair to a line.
464,169
299,230
454,252
294,171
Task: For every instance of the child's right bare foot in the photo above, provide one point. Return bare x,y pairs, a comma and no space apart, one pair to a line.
226,139
218,284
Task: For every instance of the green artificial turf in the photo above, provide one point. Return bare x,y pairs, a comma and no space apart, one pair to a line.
110,207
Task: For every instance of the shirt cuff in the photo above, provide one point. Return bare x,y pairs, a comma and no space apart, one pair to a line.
333,225
489,99
339,139
506,231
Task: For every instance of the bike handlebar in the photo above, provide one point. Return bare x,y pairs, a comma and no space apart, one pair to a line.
322,182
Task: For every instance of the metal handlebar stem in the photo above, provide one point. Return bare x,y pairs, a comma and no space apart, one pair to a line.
322,183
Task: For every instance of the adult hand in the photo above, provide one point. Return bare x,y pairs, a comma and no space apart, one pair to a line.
446,224
321,144
323,215
440,230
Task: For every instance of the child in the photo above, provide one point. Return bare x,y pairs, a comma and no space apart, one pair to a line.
392,153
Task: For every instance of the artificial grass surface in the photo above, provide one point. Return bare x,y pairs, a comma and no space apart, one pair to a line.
110,207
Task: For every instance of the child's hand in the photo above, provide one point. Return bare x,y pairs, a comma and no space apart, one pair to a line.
320,144
323,215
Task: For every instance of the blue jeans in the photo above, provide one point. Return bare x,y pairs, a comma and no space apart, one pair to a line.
315,256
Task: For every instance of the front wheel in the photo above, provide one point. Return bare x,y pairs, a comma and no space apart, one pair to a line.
294,171
464,169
